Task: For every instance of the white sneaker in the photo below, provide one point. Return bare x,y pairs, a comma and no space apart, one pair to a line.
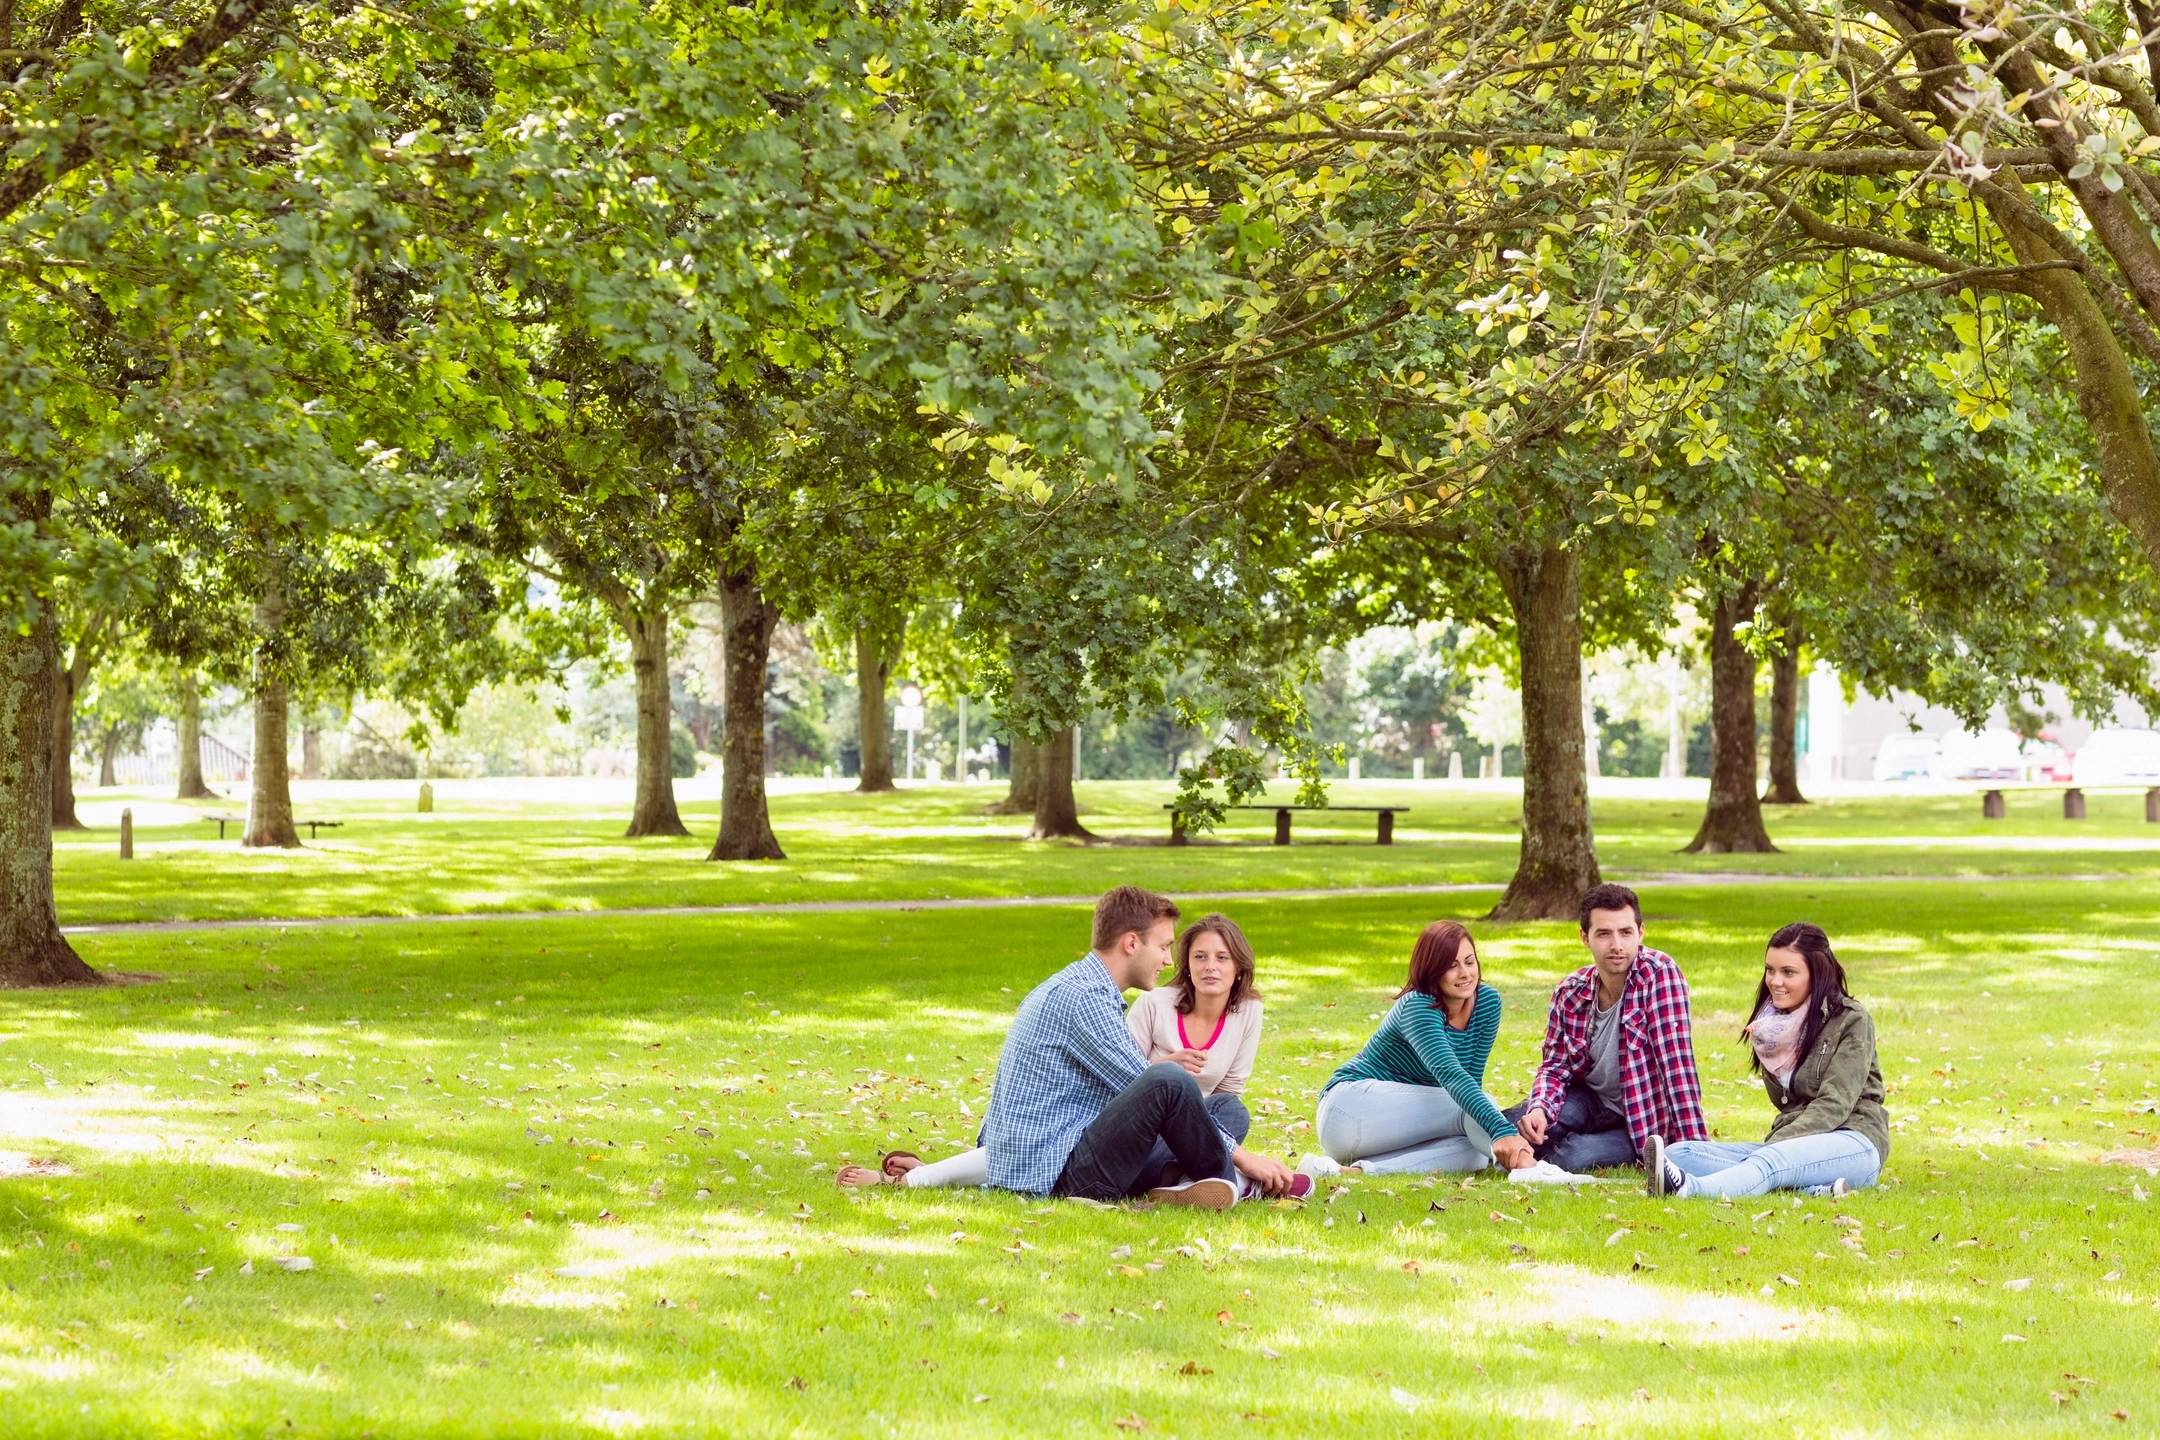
1318,1166
1544,1172
1206,1194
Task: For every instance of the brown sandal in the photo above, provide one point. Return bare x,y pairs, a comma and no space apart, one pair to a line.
885,1165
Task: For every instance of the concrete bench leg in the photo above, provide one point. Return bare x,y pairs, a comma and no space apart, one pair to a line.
2073,804
1387,827
1991,805
1282,827
1177,827
2152,806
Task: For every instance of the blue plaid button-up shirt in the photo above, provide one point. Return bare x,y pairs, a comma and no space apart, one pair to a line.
1067,1055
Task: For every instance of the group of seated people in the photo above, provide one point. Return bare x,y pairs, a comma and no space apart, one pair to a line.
1096,1100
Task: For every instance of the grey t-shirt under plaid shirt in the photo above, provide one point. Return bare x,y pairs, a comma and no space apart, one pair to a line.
1603,1076
1067,1055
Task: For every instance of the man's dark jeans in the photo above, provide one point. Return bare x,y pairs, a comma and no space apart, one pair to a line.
1116,1155
1585,1135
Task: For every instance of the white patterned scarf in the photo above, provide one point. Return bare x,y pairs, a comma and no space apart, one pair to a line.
1775,1034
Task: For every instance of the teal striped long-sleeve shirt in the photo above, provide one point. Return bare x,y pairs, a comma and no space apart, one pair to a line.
1416,1046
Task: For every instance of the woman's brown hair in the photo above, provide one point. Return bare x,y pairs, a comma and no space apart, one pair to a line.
1241,955
1434,955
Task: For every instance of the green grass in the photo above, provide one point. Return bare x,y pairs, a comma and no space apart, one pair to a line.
572,1177
507,845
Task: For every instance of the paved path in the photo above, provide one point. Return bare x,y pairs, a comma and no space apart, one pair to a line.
964,902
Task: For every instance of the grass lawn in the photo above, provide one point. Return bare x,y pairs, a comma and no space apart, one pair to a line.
573,1177
540,845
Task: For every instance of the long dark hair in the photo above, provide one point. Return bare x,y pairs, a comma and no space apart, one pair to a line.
1826,994
1434,955
1233,939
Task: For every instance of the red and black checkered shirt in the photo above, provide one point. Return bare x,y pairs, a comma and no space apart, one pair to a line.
1658,1085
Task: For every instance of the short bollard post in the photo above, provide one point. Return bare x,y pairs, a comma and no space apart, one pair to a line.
2073,804
2152,806
127,834
1282,827
1387,827
1991,805
427,798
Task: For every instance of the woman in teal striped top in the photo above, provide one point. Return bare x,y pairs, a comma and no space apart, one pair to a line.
1414,1098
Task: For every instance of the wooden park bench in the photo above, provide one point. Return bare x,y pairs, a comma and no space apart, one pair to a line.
221,821
1385,836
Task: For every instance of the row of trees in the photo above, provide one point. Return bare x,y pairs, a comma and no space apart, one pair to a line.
1158,347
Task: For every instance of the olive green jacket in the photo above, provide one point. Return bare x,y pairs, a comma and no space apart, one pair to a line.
1839,1086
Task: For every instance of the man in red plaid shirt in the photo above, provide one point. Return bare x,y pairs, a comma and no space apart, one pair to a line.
1619,1063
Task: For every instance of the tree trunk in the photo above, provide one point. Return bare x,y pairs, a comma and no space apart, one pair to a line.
190,726
1024,785
1733,823
310,751
1558,860
1057,812
2108,392
1024,788
68,679
270,812
32,949
108,749
873,667
653,812
1785,724
746,626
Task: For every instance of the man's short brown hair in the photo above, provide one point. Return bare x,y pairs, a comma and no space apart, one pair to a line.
1129,908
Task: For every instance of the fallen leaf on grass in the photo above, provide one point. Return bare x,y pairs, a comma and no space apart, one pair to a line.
1403,1397
1194,1367
2016,1284
294,1262
1130,1422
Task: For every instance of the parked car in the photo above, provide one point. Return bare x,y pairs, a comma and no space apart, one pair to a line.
1908,757
1982,755
2119,757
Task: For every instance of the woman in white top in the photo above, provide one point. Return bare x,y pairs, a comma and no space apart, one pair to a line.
1207,1019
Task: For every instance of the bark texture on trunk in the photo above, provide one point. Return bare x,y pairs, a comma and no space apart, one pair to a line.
1022,787
32,949
1057,811
873,667
190,727
69,676
1785,725
1558,861
108,750
1733,823
653,811
746,626
270,812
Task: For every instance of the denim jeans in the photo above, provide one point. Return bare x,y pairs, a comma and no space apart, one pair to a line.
1163,1103
1811,1163
1391,1128
1231,1117
1584,1135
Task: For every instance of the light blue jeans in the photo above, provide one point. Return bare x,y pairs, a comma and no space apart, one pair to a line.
1811,1163
1391,1128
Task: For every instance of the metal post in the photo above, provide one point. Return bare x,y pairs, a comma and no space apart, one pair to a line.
960,757
127,834
911,754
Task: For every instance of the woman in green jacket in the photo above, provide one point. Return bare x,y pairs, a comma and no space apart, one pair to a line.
1815,1050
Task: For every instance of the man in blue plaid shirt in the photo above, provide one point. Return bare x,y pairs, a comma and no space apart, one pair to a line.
1076,1109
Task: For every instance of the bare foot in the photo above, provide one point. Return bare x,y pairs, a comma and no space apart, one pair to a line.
898,1163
